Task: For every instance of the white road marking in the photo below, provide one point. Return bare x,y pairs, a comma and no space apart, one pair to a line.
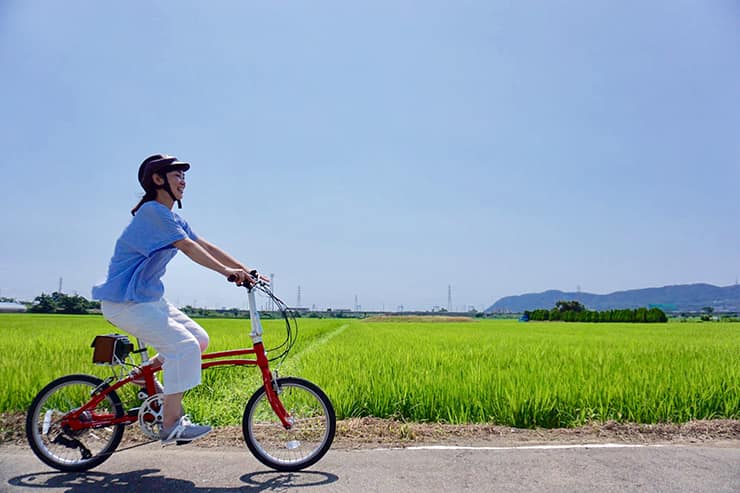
525,447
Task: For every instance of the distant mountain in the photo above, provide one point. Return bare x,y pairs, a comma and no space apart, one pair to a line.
681,298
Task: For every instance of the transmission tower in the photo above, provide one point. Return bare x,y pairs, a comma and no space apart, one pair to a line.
299,297
449,297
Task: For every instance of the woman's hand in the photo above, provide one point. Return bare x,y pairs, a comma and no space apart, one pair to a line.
260,277
256,277
239,276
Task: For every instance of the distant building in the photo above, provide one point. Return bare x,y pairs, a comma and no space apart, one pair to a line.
6,307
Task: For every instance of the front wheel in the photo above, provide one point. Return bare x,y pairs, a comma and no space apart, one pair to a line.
55,442
309,438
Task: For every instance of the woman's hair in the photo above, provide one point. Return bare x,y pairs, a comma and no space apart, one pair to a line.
150,195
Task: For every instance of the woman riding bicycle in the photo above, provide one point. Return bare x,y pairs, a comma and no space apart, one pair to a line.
131,296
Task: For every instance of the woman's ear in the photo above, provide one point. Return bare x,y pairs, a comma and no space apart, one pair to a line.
157,179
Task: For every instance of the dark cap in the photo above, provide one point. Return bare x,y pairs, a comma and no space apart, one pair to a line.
159,163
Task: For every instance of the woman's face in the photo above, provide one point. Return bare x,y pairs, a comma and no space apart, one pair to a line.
176,180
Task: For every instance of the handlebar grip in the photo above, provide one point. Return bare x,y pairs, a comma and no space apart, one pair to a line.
253,273
248,282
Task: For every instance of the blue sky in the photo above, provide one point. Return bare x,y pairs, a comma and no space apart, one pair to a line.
383,150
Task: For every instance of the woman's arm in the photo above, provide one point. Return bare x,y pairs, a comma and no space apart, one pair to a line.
202,256
220,255
224,257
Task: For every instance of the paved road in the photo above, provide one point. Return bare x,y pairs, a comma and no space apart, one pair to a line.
714,469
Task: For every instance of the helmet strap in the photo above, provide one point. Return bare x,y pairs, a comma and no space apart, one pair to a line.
167,189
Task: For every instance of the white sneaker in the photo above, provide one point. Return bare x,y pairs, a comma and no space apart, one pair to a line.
183,432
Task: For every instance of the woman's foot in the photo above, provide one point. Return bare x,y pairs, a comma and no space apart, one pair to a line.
141,381
183,431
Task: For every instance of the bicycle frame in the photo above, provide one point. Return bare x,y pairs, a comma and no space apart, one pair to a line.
209,360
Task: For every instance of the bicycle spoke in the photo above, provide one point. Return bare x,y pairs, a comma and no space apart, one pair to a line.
58,444
311,432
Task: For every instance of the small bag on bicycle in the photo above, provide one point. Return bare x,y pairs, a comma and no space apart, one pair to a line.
111,349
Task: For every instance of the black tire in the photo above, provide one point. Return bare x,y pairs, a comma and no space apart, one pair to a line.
308,439
67,450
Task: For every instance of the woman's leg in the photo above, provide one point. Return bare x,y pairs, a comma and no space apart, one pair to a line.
190,325
178,347
173,402
172,409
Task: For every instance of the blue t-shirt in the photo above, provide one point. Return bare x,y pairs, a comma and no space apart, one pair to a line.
141,255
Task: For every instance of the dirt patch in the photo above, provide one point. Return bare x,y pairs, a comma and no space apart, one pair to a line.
372,432
12,427
375,433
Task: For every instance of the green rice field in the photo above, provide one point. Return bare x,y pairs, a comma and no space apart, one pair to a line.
537,374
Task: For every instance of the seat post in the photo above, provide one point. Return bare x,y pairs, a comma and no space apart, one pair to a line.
145,352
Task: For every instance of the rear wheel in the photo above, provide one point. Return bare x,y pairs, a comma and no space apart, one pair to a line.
310,437
58,445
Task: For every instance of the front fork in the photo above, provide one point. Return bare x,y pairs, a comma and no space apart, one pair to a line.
270,382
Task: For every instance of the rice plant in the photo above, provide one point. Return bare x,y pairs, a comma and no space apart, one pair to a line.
537,374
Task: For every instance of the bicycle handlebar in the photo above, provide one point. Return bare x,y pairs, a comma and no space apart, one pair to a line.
255,283
250,282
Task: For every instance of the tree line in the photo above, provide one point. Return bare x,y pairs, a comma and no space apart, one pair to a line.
574,311
62,303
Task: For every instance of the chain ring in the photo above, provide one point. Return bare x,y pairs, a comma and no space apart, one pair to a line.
151,415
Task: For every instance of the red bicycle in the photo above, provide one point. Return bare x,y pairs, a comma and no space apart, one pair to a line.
76,422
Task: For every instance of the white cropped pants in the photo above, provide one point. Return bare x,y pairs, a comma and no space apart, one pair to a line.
178,339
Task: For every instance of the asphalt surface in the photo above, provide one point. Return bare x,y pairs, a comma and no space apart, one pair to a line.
602,468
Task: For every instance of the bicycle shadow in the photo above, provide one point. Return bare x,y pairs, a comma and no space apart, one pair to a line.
150,480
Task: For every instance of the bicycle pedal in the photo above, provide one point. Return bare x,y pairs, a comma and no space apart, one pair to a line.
182,442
